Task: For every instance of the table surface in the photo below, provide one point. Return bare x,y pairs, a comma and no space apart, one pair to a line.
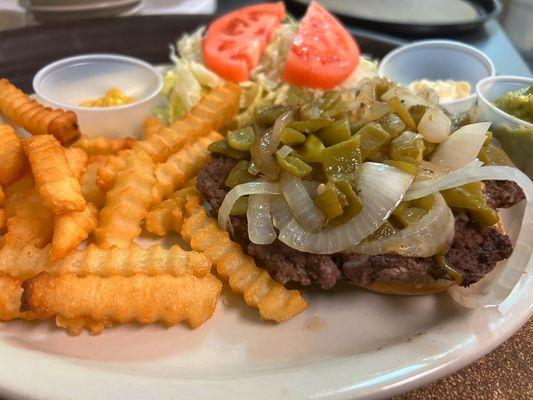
507,372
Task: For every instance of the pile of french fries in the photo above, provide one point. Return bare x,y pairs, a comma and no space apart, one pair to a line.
71,208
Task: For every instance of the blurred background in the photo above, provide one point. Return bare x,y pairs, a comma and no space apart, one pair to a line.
515,18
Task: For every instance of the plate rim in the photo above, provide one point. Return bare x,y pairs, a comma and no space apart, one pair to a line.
101,5
492,9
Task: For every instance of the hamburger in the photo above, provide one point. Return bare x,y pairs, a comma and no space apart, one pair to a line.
330,174
475,241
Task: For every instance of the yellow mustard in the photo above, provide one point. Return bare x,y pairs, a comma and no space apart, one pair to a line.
113,97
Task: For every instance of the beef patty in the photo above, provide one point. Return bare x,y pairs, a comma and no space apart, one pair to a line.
503,194
474,252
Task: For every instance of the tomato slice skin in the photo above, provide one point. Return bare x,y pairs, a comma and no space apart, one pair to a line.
323,53
234,43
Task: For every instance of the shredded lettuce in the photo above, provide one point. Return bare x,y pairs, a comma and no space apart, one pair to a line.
265,85
189,46
189,79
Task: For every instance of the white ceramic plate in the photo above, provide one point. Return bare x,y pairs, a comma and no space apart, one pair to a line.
349,344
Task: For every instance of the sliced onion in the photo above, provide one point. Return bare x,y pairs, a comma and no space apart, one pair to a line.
425,238
282,121
375,111
281,213
300,202
470,173
262,158
462,146
366,90
260,228
408,98
429,95
381,188
284,151
239,191
312,188
428,170
434,125
265,145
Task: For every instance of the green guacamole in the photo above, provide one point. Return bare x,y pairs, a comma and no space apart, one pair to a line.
518,103
518,144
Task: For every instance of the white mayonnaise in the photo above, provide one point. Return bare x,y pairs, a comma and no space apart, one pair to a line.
447,90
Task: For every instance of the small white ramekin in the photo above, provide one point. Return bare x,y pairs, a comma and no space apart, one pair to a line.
438,60
489,89
68,82
514,134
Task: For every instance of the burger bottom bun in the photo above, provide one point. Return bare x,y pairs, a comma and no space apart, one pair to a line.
413,289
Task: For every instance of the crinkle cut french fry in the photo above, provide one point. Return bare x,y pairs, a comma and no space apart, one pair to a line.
54,179
101,145
2,219
31,224
141,298
89,189
71,229
157,145
12,157
209,114
182,166
161,142
127,203
26,262
2,211
152,126
10,294
166,216
76,325
106,173
273,300
218,107
77,159
17,192
34,117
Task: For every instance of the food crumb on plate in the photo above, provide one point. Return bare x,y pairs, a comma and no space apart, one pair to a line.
315,324
415,335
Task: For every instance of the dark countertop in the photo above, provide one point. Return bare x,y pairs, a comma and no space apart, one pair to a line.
505,373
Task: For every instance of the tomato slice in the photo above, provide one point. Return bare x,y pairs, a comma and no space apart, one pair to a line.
323,53
235,42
